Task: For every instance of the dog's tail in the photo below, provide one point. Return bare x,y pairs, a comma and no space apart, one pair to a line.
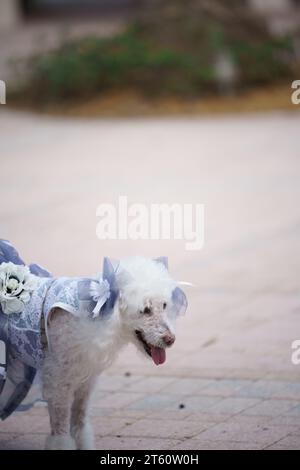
9,254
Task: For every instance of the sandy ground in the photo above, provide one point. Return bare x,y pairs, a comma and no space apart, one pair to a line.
230,369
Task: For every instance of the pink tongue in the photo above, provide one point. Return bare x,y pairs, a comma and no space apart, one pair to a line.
158,355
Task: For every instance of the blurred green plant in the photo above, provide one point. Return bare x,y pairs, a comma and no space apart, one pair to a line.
171,53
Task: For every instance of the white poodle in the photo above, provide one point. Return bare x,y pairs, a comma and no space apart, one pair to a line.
135,301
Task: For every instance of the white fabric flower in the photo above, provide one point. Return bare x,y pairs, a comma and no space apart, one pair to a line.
16,284
100,292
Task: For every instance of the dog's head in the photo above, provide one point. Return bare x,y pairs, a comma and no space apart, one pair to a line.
148,304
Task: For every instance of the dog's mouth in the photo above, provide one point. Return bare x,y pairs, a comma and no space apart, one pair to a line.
157,354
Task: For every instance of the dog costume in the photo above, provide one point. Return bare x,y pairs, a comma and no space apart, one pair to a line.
23,333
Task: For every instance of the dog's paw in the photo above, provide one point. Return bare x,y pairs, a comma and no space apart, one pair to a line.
84,437
57,442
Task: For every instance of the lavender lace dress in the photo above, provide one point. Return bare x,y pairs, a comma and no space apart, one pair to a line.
23,336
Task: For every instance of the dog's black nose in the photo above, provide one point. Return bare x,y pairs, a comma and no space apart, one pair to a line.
169,339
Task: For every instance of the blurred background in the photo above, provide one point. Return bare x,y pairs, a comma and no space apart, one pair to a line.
85,56
166,102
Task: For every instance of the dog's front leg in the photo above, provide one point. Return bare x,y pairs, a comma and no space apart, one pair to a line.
81,429
60,438
57,385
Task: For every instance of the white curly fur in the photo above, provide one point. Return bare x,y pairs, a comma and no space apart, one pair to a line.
81,349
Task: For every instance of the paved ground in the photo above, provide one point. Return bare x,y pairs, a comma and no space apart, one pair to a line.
229,382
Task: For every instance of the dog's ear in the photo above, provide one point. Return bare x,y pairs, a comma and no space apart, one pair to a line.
179,301
163,260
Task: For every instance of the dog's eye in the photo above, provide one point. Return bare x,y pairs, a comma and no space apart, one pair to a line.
147,310
164,305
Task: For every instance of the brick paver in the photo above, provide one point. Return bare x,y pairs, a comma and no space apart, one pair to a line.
229,382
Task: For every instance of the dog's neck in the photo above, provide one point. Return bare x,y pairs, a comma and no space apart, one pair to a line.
107,337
